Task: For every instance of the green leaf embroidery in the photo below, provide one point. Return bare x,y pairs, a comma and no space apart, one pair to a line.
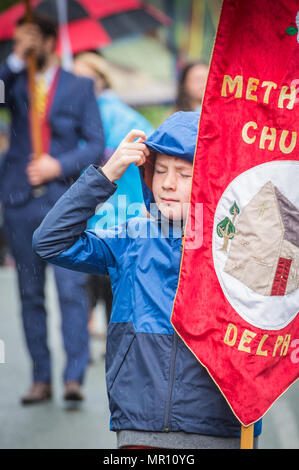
225,227
234,209
292,30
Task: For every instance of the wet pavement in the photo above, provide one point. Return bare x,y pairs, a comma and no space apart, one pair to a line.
52,425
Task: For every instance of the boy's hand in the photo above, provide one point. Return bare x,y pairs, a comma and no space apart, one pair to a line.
126,153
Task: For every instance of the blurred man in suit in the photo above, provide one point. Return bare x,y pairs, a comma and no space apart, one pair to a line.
29,187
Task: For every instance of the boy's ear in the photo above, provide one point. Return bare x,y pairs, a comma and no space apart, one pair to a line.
149,166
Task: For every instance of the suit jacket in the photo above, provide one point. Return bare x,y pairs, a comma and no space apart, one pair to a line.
74,117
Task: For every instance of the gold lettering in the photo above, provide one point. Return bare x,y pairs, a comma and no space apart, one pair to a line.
269,86
284,95
246,138
285,345
277,344
227,340
246,337
265,136
251,86
232,83
282,140
260,351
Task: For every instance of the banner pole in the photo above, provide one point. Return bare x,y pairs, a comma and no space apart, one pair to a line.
35,120
247,437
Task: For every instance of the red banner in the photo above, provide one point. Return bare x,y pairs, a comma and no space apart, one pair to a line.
237,302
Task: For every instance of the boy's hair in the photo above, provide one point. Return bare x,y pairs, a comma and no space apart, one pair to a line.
47,25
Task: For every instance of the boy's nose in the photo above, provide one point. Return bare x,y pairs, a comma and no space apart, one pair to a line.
169,181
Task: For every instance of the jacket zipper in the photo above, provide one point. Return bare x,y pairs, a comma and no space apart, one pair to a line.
172,366
171,381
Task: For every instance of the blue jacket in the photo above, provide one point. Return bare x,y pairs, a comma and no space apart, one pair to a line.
154,382
74,116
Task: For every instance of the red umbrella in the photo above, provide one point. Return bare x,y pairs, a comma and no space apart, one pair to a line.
91,23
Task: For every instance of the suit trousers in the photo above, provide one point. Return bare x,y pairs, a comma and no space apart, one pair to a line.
20,223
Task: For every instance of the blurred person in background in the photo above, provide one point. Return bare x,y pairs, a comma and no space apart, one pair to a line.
3,148
116,115
69,113
118,119
191,86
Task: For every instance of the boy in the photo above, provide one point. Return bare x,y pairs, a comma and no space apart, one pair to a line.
159,395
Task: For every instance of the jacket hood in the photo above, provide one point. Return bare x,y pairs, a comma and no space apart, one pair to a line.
176,137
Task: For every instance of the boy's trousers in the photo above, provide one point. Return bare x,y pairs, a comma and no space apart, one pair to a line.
20,223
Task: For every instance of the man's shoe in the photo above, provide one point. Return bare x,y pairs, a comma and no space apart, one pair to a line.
72,391
38,393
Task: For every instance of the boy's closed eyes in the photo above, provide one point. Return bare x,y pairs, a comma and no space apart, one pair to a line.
172,186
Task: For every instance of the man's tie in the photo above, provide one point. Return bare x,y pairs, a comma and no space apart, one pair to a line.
41,96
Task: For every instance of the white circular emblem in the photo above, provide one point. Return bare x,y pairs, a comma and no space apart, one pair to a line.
256,244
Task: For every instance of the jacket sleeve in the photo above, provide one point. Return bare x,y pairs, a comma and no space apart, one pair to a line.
90,131
62,237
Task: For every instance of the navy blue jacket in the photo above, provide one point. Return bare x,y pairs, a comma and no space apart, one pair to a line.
74,117
154,382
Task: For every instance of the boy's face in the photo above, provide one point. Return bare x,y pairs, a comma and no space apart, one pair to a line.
172,186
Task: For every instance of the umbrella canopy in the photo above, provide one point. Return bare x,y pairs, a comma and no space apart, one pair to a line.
91,23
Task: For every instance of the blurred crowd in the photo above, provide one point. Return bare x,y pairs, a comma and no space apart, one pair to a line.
102,121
